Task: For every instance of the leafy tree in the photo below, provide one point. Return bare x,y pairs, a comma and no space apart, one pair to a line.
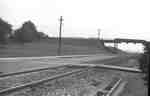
18,35
145,61
41,35
5,30
27,33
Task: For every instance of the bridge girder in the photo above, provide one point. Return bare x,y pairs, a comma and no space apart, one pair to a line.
117,40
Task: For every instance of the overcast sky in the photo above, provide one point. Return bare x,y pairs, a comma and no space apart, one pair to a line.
116,18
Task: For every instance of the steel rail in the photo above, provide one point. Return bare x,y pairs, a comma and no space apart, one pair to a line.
42,57
29,71
33,83
109,67
114,87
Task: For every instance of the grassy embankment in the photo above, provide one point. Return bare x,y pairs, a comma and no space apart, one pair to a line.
49,47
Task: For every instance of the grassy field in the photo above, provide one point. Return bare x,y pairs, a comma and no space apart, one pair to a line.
50,47
135,86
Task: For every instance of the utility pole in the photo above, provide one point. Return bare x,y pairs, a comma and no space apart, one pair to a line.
60,29
99,30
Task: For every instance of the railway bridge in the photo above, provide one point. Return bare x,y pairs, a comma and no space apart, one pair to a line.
121,40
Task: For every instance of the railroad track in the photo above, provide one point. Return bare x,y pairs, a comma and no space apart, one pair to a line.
2,75
17,81
43,82
18,78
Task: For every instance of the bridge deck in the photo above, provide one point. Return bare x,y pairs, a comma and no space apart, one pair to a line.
119,40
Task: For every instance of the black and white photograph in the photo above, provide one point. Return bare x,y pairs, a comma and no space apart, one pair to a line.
74,47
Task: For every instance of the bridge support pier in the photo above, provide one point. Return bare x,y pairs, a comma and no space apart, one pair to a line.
116,45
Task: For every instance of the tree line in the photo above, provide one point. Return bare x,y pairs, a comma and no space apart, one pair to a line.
26,33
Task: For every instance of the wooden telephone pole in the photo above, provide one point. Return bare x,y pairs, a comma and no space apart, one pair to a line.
60,29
